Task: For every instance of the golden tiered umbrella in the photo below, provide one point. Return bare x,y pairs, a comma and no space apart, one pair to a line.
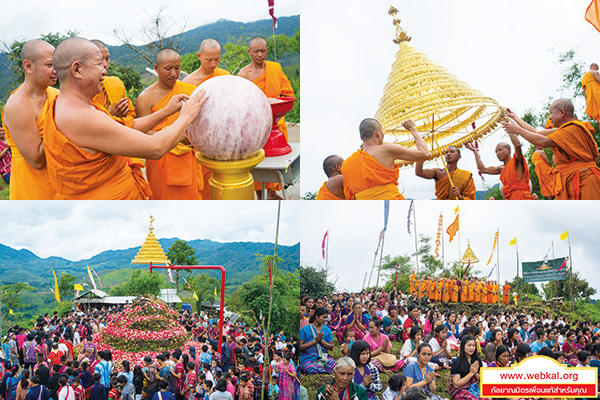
438,102
469,256
151,251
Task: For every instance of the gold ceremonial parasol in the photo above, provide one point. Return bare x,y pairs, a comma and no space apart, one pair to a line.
439,103
469,256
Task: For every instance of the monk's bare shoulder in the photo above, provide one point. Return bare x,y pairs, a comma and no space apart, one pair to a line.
18,107
146,100
245,72
194,78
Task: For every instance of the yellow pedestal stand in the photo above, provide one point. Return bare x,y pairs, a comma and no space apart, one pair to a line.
231,180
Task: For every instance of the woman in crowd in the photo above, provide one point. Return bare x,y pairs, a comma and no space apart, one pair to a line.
316,340
357,321
380,348
287,377
365,373
420,373
494,342
464,383
570,348
501,358
409,349
342,387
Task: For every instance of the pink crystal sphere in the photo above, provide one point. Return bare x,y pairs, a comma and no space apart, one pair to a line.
234,123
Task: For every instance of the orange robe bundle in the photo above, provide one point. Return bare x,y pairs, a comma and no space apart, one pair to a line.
274,84
27,183
550,179
326,194
513,188
176,175
592,95
505,293
112,92
462,179
76,174
217,72
366,179
575,157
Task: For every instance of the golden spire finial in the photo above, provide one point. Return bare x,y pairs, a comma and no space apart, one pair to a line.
151,221
401,35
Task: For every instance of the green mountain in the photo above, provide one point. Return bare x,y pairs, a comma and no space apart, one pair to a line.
114,266
224,31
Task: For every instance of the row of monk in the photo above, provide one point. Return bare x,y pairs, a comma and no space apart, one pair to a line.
88,140
468,290
371,172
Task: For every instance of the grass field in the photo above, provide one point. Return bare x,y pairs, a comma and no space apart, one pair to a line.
312,383
4,191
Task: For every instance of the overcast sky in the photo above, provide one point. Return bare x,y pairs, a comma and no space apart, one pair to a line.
354,232
79,230
98,19
501,49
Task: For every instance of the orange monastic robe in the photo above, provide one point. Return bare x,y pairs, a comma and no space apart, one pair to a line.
326,194
176,175
495,297
484,293
513,188
27,183
439,285
455,291
413,283
206,173
505,293
490,293
366,179
76,174
550,179
112,92
422,287
465,292
274,84
592,95
471,292
477,290
461,179
575,157
448,291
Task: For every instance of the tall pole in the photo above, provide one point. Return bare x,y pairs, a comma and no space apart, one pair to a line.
517,248
555,281
442,239
416,246
498,261
571,280
380,259
327,262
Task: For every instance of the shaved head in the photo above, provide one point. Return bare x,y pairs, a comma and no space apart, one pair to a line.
367,128
594,66
330,163
504,144
70,51
100,44
209,44
33,49
258,40
565,105
455,148
163,54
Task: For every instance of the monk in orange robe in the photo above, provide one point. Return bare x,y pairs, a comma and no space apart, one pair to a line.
271,79
113,95
371,173
574,148
495,297
418,287
477,290
413,282
472,292
484,293
490,292
88,152
548,176
423,287
464,187
514,173
591,90
506,292
448,290
439,285
177,175
465,291
333,188
209,55
455,290
23,119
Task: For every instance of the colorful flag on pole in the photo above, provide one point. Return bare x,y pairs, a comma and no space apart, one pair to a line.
493,268
466,269
564,263
565,235
513,242
77,287
547,254
453,228
456,210
323,245
91,278
272,12
396,276
408,221
170,273
215,291
438,238
386,213
195,296
99,280
56,294
493,248
10,312
270,275
592,14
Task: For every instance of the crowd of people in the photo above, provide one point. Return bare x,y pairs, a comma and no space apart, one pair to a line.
434,337
58,359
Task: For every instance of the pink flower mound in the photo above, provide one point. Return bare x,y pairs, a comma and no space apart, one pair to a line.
234,123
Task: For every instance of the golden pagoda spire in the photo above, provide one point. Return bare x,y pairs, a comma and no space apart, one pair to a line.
438,102
151,251
469,256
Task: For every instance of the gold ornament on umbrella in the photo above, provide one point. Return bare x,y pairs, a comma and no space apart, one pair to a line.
434,99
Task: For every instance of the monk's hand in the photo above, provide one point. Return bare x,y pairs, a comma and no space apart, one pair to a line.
192,107
511,114
176,103
510,127
409,125
455,192
121,108
471,147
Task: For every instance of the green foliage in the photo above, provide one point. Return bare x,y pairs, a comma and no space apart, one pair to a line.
64,307
254,295
313,281
494,192
572,72
65,285
581,288
523,288
204,286
404,269
130,77
309,196
190,62
12,296
140,283
181,253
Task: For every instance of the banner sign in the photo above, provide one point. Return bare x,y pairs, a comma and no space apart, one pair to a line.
543,271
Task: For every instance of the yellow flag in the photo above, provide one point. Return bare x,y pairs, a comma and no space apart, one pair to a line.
215,290
195,296
77,287
10,311
565,235
513,242
56,294
456,210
